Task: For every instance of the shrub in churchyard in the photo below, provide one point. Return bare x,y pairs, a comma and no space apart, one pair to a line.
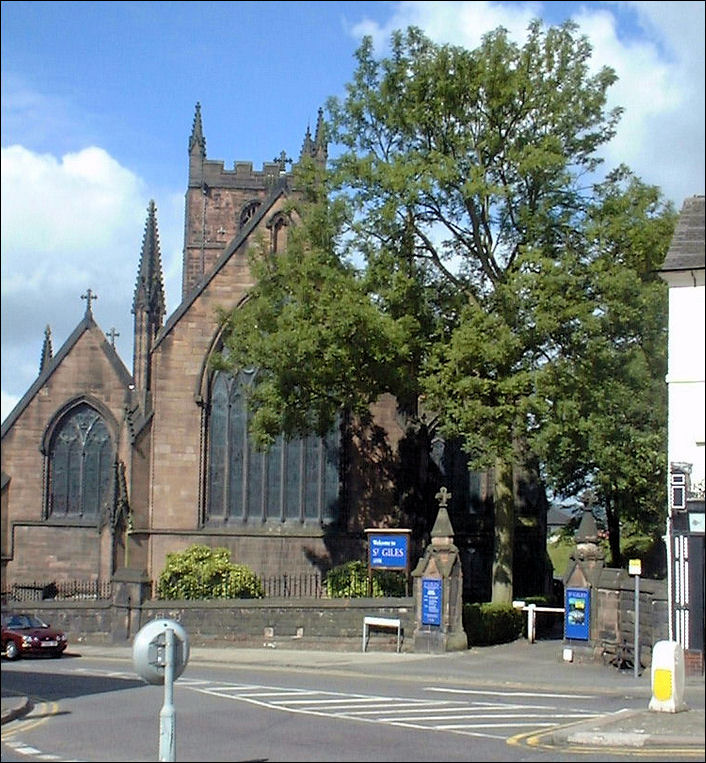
201,572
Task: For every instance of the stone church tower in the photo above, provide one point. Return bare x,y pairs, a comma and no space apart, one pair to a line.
220,203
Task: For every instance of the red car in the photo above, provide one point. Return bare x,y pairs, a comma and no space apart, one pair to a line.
25,634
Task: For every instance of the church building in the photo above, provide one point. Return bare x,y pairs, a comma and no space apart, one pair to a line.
106,468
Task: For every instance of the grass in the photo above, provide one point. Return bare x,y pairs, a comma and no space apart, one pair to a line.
559,553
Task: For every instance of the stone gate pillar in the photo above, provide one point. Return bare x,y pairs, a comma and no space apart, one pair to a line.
584,623
131,588
438,590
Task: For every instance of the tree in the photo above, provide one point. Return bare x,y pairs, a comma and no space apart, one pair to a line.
608,424
475,157
445,256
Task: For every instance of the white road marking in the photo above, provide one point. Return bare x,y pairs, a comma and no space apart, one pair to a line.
460,716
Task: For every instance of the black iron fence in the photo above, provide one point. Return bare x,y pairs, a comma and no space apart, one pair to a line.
305,585
296,586
72,590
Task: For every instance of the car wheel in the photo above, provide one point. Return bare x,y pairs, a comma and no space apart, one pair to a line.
11,650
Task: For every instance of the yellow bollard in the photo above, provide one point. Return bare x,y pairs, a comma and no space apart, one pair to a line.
667,678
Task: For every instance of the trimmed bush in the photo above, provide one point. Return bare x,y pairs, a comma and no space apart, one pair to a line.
201,572
350,581
488,623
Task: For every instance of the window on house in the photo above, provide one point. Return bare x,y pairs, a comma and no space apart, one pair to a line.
295,480
81,457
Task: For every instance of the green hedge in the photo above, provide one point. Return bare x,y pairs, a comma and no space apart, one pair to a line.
201,572
488,623
350,581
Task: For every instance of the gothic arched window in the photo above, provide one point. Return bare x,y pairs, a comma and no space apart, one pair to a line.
278,227
247,212
81,461
294,480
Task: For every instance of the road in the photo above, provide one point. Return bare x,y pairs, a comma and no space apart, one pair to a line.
97,709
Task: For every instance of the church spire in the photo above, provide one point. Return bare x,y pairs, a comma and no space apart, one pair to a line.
47,351
320,138
316,148
148,305
149,290
197,151
307,145
197,143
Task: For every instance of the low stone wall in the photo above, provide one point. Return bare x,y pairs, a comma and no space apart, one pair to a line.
336,623
615,613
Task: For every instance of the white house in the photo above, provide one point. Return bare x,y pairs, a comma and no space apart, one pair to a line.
683,270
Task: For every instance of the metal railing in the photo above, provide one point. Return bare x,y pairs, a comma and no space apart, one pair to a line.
72,590
532,610
305,585
295,586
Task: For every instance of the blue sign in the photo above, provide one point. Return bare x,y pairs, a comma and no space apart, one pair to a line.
431,601
577,613
388,551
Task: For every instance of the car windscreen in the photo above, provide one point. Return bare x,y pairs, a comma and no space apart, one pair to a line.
25,621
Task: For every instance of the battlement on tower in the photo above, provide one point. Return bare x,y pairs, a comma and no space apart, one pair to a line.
242,175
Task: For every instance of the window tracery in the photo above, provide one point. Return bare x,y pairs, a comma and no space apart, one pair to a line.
80,466
296,480
247,213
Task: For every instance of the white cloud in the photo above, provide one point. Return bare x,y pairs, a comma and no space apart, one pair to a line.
69,224
64,209
660,100
659,63
459,23
8,402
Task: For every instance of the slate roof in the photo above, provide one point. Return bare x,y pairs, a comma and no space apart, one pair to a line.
557,517
686,252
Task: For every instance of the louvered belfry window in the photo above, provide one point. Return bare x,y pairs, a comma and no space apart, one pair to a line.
295,480
80,465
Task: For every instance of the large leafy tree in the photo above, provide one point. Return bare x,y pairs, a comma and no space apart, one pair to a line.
607,426
449,257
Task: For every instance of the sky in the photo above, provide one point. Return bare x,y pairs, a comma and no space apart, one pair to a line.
98,101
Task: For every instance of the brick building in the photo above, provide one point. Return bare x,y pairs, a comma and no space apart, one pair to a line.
105,468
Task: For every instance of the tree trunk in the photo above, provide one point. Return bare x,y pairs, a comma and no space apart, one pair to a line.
613,521
504,499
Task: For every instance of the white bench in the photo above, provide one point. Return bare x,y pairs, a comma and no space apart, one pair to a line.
381,622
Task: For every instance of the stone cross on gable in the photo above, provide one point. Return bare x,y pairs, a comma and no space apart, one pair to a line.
111,335
89,296
443,497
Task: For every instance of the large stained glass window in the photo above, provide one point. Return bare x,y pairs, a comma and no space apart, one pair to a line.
81,460
295,480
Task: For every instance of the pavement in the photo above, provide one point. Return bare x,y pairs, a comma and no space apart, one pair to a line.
540,666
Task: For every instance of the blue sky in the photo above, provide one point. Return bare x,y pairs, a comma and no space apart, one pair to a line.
98,100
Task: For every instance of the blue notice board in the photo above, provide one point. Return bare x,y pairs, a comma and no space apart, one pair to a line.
577,613
431,601
388,551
